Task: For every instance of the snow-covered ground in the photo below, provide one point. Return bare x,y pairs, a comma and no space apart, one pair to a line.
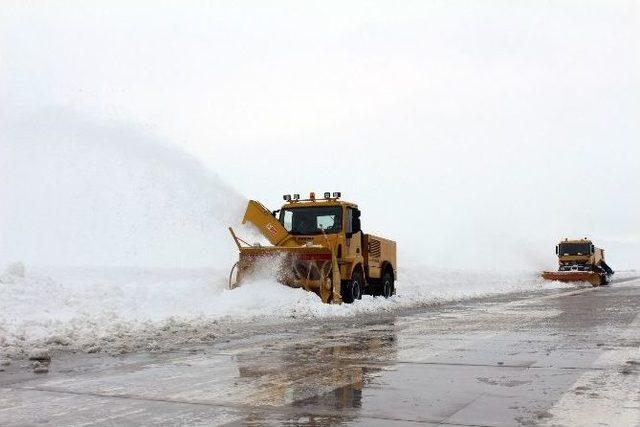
120,310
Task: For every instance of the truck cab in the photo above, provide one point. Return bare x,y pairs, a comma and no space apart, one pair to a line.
575,255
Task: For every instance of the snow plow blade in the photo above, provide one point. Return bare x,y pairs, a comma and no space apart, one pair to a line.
596,279
313,268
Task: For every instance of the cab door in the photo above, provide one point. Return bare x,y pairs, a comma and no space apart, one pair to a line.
353,235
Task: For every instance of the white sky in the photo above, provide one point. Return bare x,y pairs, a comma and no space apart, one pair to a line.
475,133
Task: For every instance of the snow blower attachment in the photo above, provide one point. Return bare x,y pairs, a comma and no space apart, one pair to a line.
580,261
317,246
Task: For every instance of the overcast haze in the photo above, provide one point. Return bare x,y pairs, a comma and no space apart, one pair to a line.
475,133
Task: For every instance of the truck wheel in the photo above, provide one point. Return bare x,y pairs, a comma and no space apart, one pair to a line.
387,285
351,290
358,280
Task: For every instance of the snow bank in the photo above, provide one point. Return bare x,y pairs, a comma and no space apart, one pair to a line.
12,273
119,310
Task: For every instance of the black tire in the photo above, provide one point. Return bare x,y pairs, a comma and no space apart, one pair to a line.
604,281
387,285
351,290
358,278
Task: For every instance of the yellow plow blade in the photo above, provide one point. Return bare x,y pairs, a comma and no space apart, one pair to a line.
573,276
313,268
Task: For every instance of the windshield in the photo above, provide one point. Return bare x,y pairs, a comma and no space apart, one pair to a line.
574,249
312,220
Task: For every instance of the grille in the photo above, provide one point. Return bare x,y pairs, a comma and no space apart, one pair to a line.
374,248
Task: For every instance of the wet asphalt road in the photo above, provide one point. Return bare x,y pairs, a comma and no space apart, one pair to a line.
569,357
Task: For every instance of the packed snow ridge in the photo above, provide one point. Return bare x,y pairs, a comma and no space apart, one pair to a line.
121,310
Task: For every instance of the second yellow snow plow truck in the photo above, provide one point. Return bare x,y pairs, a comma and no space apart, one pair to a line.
580,261
318,245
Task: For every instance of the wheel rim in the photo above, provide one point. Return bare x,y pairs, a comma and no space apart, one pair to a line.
387,289
355,290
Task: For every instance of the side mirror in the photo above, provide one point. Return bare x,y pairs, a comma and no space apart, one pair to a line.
356,225
557,251
356,221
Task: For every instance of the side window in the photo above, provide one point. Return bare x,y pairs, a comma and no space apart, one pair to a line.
287,220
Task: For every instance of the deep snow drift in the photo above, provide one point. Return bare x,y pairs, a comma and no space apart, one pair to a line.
120,310
79,191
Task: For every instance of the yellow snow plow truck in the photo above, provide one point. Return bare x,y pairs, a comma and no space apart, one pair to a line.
318,245
580,261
